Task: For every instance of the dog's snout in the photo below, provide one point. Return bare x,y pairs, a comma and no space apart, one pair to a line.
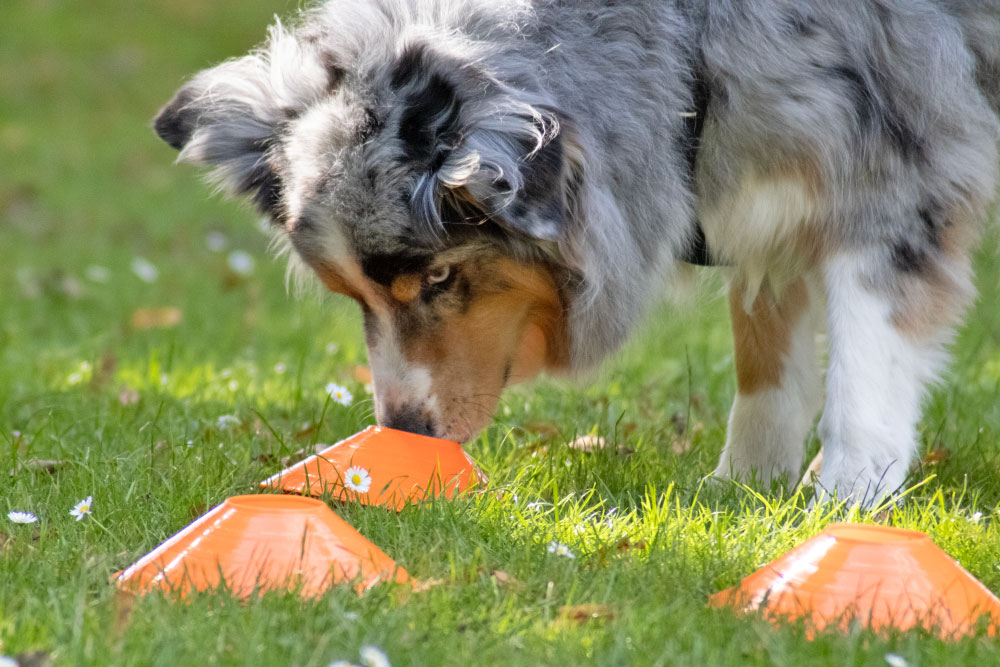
411,418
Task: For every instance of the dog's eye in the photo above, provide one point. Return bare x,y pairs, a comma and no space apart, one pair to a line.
439,275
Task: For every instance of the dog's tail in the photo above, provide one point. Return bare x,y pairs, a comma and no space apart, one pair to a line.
980,20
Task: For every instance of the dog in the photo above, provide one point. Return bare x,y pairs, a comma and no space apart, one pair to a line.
504,186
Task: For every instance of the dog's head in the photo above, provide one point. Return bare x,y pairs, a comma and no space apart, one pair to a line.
432,191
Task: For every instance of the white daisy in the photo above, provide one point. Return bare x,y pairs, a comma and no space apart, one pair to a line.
145,270
280,368
331,348
240,262
357,479
560,550
896,660
224,422
82,508
374,657
22,517
339,394
216,241
97,274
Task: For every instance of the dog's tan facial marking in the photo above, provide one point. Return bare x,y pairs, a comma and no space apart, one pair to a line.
762,337
335,281
407,287
505,326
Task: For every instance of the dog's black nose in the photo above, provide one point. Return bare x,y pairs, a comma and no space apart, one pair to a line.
412,419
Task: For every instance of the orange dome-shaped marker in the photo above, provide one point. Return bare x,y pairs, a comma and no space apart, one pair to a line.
879,576
382,466
260,543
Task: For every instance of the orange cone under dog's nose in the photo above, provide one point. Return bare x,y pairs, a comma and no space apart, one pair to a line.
879,576
258,543
382,466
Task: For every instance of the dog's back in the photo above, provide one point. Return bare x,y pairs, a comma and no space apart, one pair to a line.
980,20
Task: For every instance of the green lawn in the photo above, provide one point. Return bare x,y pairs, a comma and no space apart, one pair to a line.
131,417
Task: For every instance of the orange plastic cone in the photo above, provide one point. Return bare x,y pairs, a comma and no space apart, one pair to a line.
261,543
382,466
879,576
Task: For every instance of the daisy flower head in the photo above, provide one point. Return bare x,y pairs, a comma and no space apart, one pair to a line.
224,422
339,394
357,479
82,508
22,517
240,262
372,656
145,270
896,660
560,550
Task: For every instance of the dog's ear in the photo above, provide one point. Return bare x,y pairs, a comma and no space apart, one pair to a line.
229,117
483,151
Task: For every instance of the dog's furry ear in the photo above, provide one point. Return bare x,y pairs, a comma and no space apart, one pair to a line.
229,117
486,150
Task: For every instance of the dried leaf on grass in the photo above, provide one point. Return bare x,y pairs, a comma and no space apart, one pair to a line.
417,586
105,371
681,446
628,545
424,585
588,443
592,443
811,475
306,432
503,579
936,456
34,659
50,466
128,396
123,603
156,318
545,429
584,613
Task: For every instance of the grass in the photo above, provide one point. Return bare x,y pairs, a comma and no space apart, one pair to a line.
132,417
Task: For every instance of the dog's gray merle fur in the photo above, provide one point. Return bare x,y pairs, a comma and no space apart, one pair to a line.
558,133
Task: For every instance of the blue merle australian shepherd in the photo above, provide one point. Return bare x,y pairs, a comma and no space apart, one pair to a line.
503,186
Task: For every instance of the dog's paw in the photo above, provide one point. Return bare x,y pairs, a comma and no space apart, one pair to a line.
865,486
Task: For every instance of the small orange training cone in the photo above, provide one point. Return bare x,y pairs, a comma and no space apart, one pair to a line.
879,576
260,543
382,466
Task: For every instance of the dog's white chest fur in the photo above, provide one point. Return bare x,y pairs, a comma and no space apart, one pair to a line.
759,227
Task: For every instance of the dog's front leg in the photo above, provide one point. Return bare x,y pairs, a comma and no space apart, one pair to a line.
778,385
887,333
